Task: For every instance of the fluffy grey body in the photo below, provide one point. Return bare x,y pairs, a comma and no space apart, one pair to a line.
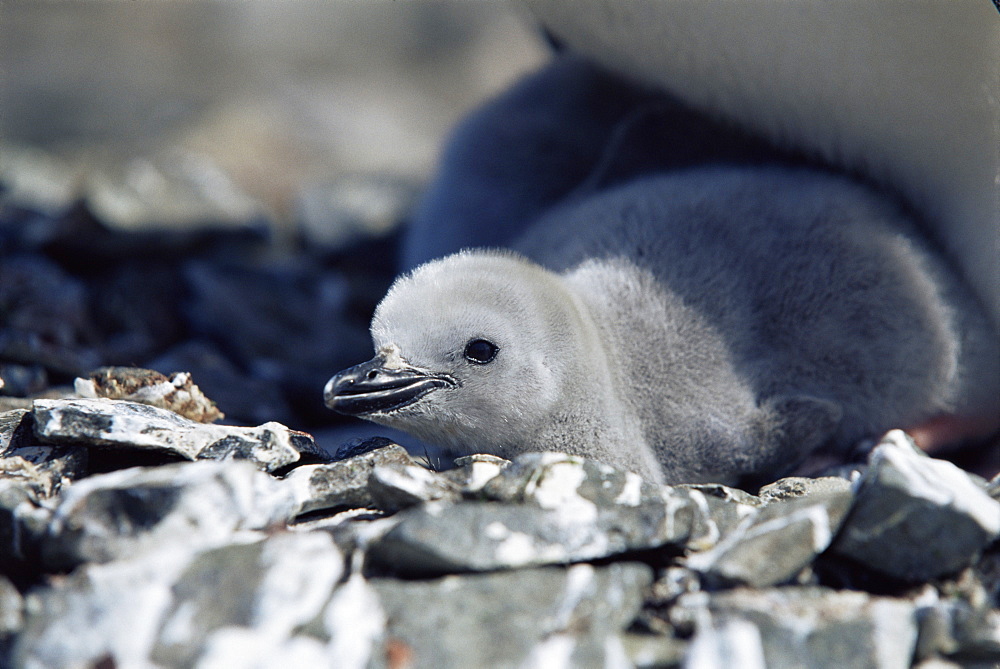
710,324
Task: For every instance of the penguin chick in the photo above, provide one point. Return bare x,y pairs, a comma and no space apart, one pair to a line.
707,325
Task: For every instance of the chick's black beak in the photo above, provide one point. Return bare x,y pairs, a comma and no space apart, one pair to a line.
371,387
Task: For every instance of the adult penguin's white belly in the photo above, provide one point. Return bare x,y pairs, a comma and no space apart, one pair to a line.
905,93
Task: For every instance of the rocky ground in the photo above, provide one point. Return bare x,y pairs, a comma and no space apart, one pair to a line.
174,494
181,518
135,533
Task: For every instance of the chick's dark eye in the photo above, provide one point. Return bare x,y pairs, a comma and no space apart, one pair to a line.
480,351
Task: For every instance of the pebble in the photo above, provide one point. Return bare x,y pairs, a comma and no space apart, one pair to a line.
917,517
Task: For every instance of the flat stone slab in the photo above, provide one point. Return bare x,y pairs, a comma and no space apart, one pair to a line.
120,424
553,509
548,617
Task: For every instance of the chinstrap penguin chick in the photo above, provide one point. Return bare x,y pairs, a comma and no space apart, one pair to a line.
711,324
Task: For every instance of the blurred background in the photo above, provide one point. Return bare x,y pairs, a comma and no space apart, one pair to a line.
218,187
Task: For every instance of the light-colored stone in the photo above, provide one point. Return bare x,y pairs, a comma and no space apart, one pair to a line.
800,627
107,423
777,541
128,512
342,484
917,517
394,488
270,588
531,618
177,392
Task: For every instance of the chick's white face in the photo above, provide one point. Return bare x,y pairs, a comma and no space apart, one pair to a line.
491,324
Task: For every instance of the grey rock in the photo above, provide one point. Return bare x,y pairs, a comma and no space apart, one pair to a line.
119,604
533,618
266,589
44,469
916,517
126,425
800,627
178,393
23,521
360,445
249,603
348,634
943,628
551,480
355,621
393,488
777,541
660,616
14,404
982,641
342,484
355,531
440,538
196,505
721,510
728,643
673,582
938,663
472,472
993,487
988,571
958,619
11,608
11,618
725,493
546,479
797,487
333,522
556,509
247,647
13,429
